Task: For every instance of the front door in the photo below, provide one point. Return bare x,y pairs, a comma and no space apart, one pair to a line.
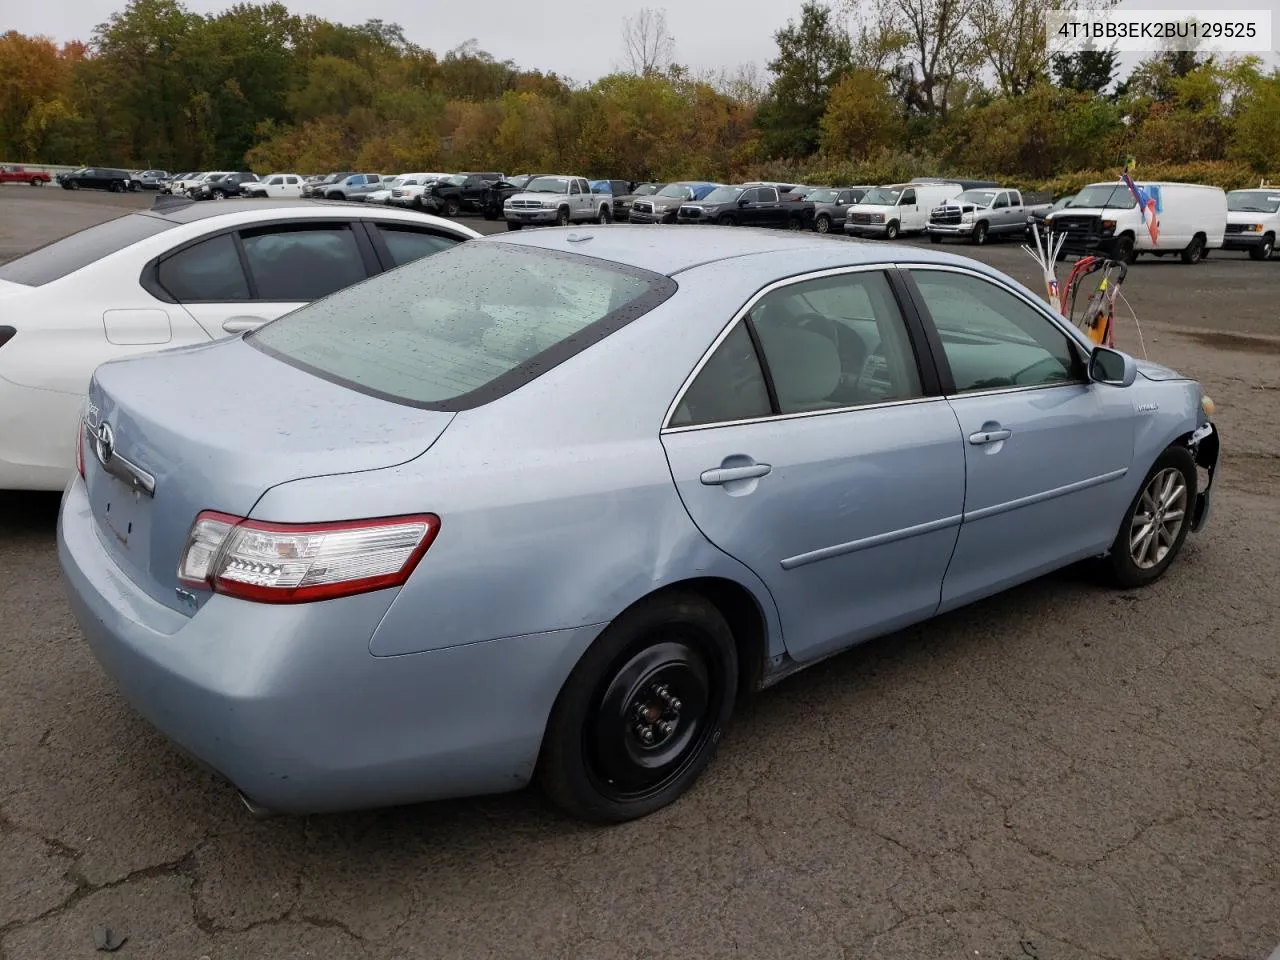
910,214
807,449
1047,451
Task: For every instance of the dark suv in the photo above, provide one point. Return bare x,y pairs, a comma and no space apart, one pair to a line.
227,185
461,191
98,178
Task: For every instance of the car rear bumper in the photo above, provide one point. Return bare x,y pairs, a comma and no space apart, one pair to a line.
37,436
288,704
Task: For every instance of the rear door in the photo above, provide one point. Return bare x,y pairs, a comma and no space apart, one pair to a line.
811,446
237,280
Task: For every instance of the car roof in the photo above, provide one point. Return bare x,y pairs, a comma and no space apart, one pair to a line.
670,250
249,210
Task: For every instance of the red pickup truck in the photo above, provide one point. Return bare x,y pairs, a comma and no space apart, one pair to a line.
11,173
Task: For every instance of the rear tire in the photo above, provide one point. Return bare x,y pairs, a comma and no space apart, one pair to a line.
1156,524
1194,251
795,223
641,714
1264,252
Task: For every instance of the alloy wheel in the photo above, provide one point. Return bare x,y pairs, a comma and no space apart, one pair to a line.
1162,510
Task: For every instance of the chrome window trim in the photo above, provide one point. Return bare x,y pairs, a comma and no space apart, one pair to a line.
738,318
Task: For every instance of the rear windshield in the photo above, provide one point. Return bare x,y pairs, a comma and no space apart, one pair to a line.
475,323
55,260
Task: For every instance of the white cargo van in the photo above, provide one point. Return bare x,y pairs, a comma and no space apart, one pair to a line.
896,209
1104,218
1253,220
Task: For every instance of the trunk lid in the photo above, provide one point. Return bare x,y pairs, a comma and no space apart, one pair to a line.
216,426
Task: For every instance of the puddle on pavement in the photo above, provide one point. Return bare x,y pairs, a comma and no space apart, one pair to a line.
1235,341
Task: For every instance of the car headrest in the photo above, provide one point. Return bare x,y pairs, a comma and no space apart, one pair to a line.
805,365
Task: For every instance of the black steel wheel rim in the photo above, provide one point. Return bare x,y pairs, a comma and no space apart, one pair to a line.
652,717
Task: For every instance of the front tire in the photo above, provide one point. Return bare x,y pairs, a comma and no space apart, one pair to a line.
891,231
606,216
452,208
935,238
1157,522
980,232
795,223
641,715
822,224
562,217
1125,251
1264,252
514,226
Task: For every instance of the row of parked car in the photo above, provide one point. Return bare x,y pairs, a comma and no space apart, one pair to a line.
1193,218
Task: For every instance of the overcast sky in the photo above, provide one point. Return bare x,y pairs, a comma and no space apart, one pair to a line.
574,38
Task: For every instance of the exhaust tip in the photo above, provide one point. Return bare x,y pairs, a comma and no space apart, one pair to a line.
256,810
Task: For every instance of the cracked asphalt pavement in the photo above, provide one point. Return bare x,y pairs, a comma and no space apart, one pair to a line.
1061,773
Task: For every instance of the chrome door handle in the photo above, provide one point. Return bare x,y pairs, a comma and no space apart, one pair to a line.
990,436
728,474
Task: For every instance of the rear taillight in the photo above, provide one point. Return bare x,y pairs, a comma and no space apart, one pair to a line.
80,448
302,562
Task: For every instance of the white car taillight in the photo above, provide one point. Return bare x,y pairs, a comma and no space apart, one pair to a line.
302,562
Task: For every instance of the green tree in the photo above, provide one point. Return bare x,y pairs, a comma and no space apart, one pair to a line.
1256,138
812,57
860,119
1088,71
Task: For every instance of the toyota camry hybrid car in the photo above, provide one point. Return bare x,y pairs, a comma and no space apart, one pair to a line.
546,505
181,273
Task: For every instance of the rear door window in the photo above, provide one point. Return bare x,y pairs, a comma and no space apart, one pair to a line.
208,271
441,334
55,260
303,263
407,244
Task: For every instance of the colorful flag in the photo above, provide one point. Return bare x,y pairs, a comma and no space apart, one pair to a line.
1146,204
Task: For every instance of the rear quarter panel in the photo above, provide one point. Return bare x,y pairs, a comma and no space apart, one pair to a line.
557,504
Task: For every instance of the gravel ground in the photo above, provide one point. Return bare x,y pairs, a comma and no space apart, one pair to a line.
1060,773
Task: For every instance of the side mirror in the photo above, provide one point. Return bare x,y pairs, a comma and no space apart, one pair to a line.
742,201
1112,367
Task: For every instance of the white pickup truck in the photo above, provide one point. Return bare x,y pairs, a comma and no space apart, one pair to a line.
981,213
558,200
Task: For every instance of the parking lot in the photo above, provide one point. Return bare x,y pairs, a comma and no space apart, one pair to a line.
1063,772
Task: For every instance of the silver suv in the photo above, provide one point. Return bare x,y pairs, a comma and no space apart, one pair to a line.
558,200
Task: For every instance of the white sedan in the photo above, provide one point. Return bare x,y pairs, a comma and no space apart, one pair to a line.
181,273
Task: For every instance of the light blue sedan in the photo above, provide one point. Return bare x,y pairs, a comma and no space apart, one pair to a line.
545,506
